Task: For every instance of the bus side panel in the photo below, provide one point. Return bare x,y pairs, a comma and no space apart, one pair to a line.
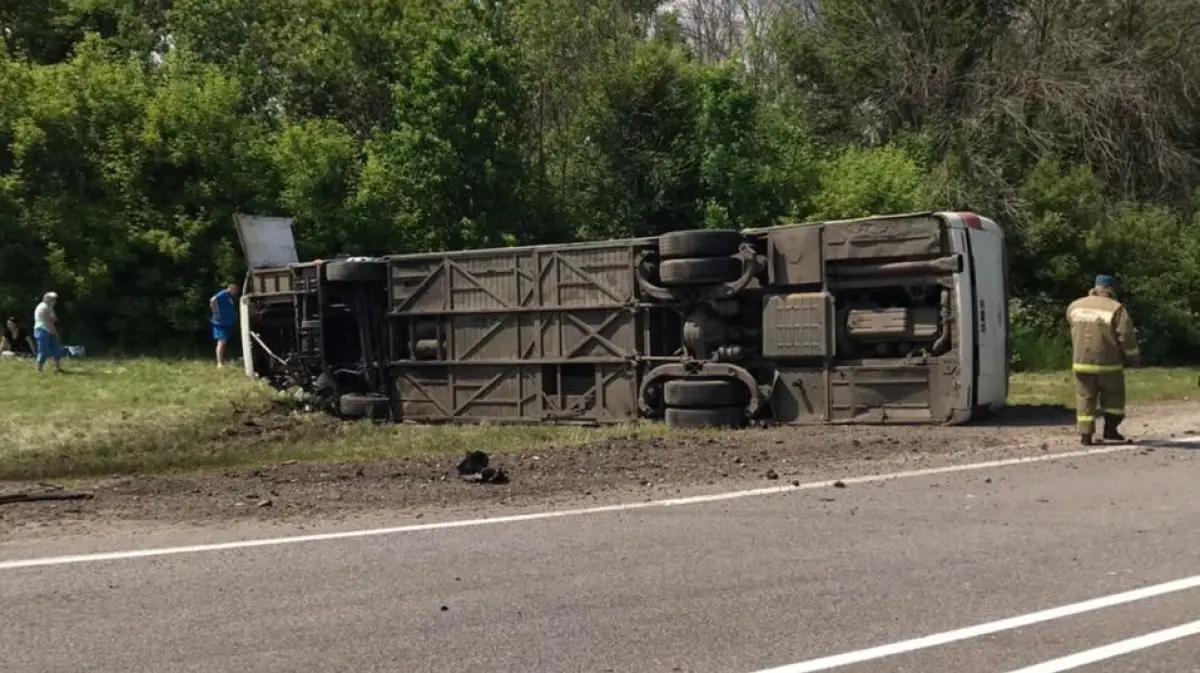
518,335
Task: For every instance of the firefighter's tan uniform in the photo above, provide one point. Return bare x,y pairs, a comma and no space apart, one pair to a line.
1103,344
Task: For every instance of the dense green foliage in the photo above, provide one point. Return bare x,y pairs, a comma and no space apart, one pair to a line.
131,131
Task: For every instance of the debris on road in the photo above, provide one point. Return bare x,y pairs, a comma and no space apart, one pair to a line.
598,468
473,463
839,484
474,468
772,474
493,475
26,496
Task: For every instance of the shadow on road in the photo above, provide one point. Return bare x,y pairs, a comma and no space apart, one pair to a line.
1031,416
1173,444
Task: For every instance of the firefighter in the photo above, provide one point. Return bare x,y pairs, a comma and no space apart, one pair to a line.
1103,344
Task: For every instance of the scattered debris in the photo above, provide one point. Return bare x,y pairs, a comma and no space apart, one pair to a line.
839,484
265,502
7,498
493,475
474,468
796,483
772,474
473,463
445,608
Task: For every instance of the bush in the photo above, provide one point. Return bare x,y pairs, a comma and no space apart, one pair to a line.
1040,340
871,181
1070,234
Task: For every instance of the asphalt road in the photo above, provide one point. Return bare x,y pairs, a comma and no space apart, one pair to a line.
739,585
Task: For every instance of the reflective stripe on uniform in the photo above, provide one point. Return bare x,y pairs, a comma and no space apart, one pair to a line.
1092,315
1113,411
1085,419
1084,368
1132,352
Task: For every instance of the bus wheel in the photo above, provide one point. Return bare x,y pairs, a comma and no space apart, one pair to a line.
699,243
703,393
370,405
714,417
700,271
355,272
705,403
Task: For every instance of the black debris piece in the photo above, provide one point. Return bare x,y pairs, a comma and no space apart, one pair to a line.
473,463
474,469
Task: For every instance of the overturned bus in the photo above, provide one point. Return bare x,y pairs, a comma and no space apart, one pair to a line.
887,319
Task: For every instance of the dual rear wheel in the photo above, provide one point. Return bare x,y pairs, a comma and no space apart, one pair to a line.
705,403
699,257
691,258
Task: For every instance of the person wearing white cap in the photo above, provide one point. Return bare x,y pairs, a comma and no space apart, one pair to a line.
45,332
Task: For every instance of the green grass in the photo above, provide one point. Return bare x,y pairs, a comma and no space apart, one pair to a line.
111,417
1142,386
157,416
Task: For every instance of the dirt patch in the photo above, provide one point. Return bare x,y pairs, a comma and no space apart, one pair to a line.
646,468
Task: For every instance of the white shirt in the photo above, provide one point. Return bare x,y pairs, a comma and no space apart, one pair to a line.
43,317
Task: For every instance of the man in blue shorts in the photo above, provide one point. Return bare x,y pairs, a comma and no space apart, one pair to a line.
224,316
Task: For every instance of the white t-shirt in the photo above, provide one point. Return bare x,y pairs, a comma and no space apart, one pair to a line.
43,317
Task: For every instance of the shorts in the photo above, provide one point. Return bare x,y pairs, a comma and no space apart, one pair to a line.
47,345
222,333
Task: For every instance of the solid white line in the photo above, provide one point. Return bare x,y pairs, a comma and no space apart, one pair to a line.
1114,650
537,516
969,632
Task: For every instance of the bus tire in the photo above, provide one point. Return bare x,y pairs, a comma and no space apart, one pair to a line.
355,272
368,405
699,271
713,417
704,393
699,243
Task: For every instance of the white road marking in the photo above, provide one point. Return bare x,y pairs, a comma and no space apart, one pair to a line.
847,658
553,514
1114,650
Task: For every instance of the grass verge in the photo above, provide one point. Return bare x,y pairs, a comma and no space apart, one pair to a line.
147,416
159,416
1142,386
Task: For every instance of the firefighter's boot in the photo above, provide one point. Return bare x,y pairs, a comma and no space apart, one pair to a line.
1085,439
1110,428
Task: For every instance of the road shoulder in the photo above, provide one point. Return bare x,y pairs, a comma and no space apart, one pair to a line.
304,495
